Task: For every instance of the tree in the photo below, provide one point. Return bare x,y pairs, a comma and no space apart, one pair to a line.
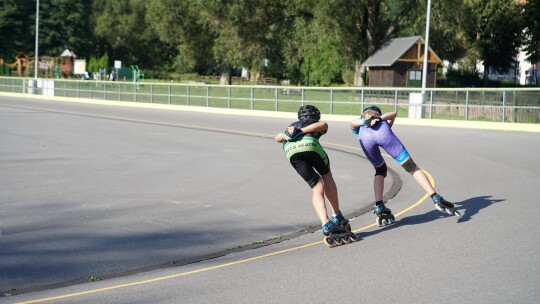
17,27
499,32
65,24
250,34
451,22
122,30
359,28
531,18
187,39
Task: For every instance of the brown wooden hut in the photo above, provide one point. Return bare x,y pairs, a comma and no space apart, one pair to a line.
399,62
67,59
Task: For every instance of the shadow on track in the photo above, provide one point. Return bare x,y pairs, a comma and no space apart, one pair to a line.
468,208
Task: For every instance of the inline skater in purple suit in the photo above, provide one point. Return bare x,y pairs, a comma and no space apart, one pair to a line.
374,132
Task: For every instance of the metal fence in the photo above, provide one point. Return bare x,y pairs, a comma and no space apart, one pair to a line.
517,105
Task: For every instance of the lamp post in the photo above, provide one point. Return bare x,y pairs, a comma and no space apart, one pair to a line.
426,53
36,50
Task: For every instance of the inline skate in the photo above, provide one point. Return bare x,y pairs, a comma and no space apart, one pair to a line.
336,235
384,215
340,220
445,206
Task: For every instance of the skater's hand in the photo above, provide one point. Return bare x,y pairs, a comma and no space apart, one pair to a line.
372,121
293,133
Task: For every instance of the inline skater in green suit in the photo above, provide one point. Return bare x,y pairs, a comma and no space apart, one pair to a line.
307,156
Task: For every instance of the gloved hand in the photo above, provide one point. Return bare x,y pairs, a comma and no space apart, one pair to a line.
373,121
294,133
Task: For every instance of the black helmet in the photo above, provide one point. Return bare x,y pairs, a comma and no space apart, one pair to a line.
309,111
373,108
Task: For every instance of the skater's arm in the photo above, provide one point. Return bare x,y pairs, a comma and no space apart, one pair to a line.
319,126
357,123
390,117
281,137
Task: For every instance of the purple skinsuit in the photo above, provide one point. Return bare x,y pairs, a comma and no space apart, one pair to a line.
381,135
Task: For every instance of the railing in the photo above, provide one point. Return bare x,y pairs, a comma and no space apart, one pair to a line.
521,105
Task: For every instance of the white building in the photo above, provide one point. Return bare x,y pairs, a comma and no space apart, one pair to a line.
524,73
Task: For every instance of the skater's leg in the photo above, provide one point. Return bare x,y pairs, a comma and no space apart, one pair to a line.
317,200
378,187
423,181
331,192
383,214
378,182
410,166
440,203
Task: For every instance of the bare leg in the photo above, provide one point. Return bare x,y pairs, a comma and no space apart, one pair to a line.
378,187
423,181
318,202
331,192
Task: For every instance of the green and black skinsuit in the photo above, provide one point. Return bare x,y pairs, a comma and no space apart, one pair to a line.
307,155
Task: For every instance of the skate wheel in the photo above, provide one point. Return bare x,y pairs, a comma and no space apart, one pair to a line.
328,242
449,211
378,221
338,241
458,214
352,238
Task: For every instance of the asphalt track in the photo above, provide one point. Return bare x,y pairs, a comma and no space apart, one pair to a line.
127,194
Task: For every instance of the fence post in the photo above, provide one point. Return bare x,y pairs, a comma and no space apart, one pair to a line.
207,96
467,105
395,100
151,93
169,94
188,95
251,97
331,101
276,95
431,104
514,106
504,107
362,100
228,97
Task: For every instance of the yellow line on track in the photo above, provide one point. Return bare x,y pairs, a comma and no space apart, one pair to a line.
217,266
221,265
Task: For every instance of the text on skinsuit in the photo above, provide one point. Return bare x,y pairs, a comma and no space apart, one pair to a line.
300,145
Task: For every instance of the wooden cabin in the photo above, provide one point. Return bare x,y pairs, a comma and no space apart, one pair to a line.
399,63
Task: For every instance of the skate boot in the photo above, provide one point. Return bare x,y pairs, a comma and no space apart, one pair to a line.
336,235
445,206
384,215
340,220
